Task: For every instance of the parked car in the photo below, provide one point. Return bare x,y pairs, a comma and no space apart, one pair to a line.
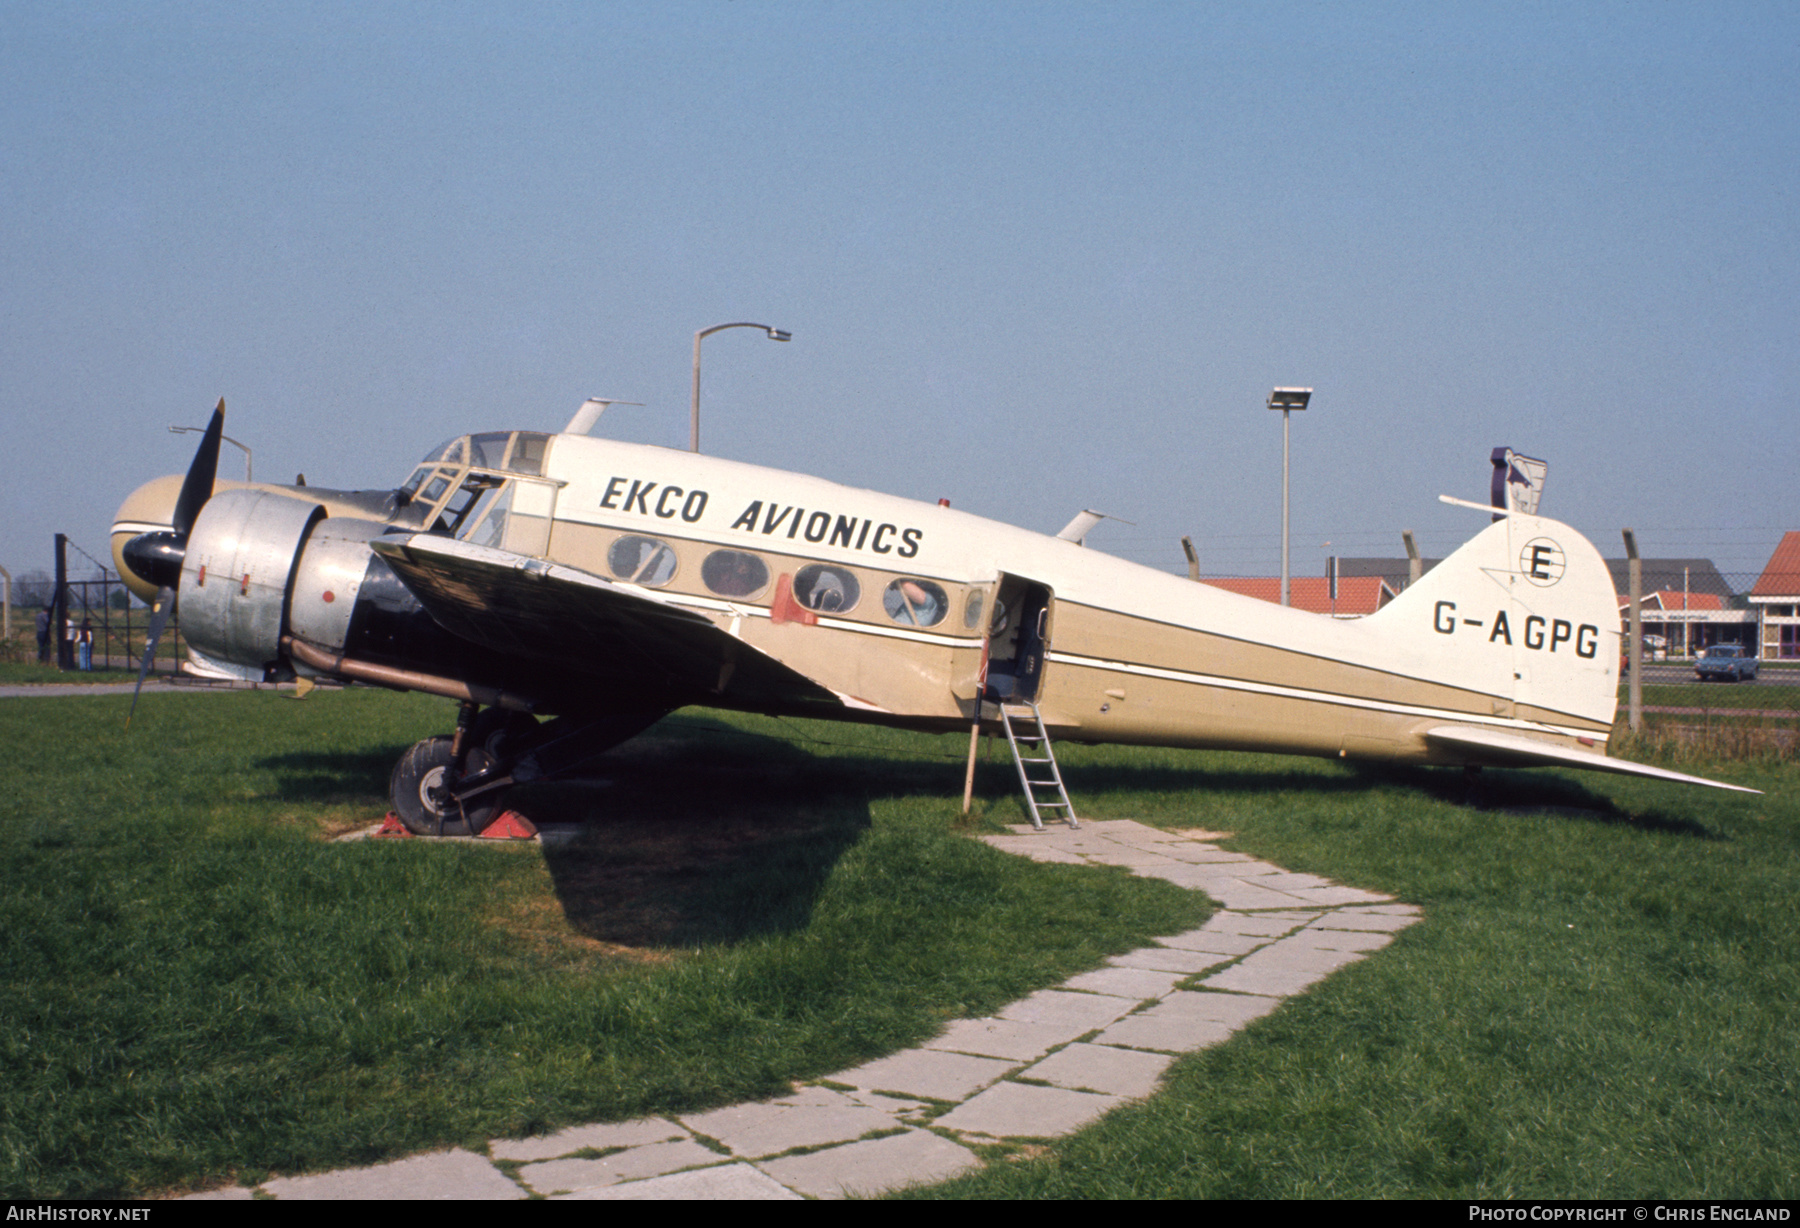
1725,663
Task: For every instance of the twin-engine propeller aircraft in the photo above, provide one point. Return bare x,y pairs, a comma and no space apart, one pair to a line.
605,584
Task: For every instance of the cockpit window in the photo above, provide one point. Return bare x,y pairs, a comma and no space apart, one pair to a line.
459,508
488,451
435,489
508,451
528,453
487,519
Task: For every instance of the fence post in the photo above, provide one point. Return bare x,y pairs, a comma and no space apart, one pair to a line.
59,617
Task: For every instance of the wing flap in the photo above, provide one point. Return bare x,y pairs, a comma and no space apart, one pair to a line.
620,633
1497,749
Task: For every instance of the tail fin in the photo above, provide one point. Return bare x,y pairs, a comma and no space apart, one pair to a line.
1526,614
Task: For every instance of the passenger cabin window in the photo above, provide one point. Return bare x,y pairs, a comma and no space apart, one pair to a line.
829,590
917,603
642,560
733,573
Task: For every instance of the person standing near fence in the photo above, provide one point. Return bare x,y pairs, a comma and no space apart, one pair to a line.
86,644
43,633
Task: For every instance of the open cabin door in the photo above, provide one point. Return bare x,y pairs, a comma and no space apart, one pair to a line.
1018,640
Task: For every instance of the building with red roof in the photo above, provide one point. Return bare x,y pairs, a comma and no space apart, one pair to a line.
1688,622
1776,599
1356,595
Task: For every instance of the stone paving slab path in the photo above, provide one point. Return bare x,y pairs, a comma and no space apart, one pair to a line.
1043,1067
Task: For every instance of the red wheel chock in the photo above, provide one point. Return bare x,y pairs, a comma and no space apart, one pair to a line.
511,825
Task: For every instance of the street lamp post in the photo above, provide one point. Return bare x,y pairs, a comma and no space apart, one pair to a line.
1286,400
183,430
775,334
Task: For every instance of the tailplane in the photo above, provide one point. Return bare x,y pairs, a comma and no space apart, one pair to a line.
1526,615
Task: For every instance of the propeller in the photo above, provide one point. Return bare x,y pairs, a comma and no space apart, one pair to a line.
157,557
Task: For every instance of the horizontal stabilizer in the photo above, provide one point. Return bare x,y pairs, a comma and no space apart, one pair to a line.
1496,749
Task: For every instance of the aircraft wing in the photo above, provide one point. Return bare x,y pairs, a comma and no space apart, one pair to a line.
530,608
1497,749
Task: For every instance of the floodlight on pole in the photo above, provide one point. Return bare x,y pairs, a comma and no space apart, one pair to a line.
1634,630
775,334
1286,400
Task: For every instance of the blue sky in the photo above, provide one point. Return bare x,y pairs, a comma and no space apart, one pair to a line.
1035,257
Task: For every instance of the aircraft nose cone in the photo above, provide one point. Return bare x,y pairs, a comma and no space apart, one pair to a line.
143,530
155,558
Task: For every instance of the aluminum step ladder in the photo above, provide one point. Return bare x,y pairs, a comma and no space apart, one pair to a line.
1025,732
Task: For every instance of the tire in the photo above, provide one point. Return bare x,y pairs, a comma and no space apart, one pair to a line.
417,789
422,801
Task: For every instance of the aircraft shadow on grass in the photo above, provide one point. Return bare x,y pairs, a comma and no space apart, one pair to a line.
696,834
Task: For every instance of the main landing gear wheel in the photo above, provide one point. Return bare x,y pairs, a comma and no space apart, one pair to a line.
420,789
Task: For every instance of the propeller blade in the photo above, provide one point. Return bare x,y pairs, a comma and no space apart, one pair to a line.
165,605
198,487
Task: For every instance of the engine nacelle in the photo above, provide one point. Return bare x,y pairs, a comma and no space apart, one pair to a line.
238,571
262,565
329,581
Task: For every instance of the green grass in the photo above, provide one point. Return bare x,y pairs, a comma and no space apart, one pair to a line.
1768,693
196,986
28,673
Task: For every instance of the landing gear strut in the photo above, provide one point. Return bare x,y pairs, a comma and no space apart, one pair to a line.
454,786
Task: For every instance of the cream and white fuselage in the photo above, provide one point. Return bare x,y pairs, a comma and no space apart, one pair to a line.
780,592
1135,654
